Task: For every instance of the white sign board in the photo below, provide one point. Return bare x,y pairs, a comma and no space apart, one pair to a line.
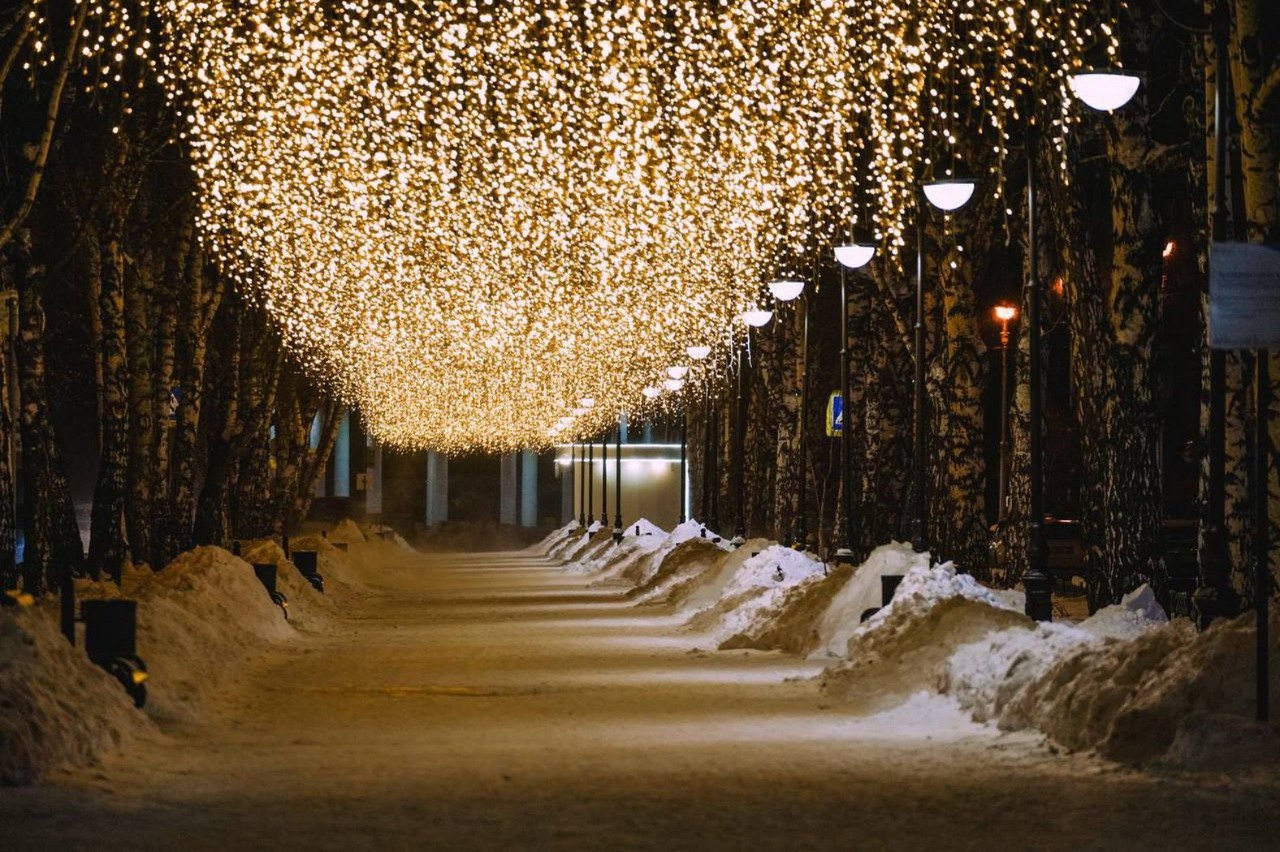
1244,296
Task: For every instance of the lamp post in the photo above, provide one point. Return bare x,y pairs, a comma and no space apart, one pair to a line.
787,290
604,479
754,318
851,255
582,493
1102,90
699,353
1004,313
675,382
617,484
947,194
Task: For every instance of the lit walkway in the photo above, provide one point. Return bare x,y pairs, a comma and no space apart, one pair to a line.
493,702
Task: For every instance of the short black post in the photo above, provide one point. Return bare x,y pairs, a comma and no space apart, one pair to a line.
67,602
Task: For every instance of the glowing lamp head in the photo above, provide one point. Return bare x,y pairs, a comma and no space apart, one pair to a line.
673,385
587,402
1104,89
786,289
855,255
757,317
652,392
1169,248
677,372
949,193
578,412
698,353
1005,312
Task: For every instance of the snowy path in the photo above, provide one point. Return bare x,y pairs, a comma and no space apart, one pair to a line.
493,702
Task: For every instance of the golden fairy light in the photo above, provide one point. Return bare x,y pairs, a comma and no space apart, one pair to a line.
467,216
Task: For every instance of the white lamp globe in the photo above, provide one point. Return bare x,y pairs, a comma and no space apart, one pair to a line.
757,317
1104,90
673,385
855,255
578,412
786,289
677,372
698,353
652,392
949,193
587,402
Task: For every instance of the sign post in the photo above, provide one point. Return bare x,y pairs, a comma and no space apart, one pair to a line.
1244,313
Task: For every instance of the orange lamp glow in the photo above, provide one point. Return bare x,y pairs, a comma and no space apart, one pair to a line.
1005,312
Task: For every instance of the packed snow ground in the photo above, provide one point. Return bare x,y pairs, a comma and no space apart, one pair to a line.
505,700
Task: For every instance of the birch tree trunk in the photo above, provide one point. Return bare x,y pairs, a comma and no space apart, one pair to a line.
52,536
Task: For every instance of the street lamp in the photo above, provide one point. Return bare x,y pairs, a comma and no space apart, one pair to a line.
617,484
698,353
1004,313
651,392
677,372
756,317
854,254
800,539
1105,91
948,194
786,289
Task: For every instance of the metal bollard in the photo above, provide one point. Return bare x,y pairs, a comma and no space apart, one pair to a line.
266,573
111,641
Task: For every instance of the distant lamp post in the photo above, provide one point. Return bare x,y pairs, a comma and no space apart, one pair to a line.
786,289
1004,313
800,531
854,254
617,484
698,353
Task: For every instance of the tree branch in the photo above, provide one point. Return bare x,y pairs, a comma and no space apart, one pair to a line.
50,124
1268,88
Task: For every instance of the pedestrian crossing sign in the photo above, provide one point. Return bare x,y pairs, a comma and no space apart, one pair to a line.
835,415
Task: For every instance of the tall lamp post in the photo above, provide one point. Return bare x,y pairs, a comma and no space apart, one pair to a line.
788,290
754,317
700,352
675,383
1005,313
854,254
946,194
617,484
1103,90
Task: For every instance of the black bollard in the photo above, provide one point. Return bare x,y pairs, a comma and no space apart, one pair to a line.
111,641
888,585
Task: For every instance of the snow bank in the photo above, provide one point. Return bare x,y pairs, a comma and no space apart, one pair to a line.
554,538
755,591
199,620
642,571
905,646
687,559
793,627
615,558
308,608
1131,700
56,708
347,530
844,615
706,587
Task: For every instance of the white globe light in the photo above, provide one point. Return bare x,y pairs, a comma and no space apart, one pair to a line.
673,385
786,289
587,402
757,317
855,255
1104,90
578,412
678,372
949,194
652,392
698,353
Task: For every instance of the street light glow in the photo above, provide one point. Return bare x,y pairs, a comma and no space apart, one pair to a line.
1104,90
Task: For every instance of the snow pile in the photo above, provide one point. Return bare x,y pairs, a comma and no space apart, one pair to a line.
56,708
862,593
704,588
199,620
308,608
348,531
553,539
687,559
756,590
644,570
905,646
990,675
793,627
1132,700
614,558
